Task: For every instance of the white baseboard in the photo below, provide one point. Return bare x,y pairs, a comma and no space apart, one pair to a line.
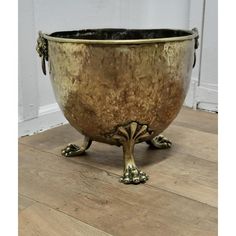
47,109
206,99
203,97
49,116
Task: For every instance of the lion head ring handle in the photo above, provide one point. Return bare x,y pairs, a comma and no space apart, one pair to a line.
42,49
196,44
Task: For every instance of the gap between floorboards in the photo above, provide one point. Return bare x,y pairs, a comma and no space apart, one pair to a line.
116,175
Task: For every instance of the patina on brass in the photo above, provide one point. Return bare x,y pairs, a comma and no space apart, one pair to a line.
120,86
42,49
127,136
159,142
72,150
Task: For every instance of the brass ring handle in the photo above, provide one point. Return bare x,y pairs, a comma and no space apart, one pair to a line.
196,44
42,49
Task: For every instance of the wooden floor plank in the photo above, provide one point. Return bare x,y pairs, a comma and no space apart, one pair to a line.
193,142
177,172
61,135
23,203
42,220
95,197
189,168
198,120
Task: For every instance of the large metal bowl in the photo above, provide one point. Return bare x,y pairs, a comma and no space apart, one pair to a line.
120,86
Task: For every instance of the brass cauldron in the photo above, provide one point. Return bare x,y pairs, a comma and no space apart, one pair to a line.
119,86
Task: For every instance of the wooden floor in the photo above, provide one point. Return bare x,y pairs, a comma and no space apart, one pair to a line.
82,195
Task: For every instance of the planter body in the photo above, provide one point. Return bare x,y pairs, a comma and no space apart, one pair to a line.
99,87
120,92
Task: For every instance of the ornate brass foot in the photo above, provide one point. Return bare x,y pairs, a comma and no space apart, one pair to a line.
72,150
128,135
159,142
132,175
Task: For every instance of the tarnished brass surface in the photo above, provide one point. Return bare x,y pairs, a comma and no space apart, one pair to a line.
128,135
72,150
42,49
123,38
159,142
104,85
100,87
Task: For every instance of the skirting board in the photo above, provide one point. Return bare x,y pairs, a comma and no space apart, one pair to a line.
203,97
49,116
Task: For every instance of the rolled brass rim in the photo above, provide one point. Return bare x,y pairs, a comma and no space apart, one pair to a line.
193,34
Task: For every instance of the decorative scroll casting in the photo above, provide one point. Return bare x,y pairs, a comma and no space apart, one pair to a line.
132,131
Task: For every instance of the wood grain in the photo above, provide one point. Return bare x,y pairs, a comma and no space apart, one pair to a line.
95,197
198,120
193,142
174,171
42,220
23,203
52,138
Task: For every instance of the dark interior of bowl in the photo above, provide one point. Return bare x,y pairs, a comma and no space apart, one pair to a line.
119,34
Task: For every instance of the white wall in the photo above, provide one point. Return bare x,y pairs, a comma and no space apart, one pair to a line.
37,107
208,85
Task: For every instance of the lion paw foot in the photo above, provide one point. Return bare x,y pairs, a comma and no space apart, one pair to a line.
133,176
159,142
72,150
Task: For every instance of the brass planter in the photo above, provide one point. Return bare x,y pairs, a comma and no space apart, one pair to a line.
120,86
